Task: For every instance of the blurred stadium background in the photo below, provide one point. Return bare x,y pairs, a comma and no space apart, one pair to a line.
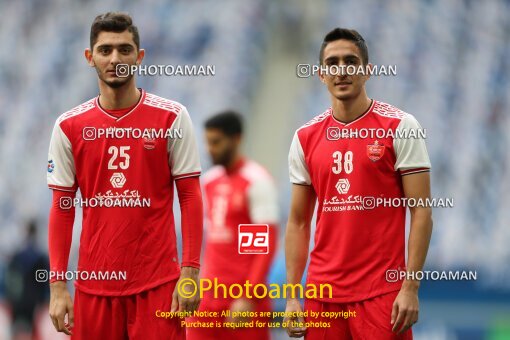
453,74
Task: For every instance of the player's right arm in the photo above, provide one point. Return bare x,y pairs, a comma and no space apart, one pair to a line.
61,178
297,236
297,240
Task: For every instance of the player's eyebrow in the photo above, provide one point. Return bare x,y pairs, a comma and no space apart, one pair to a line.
115,45
344,57
126,45
351,56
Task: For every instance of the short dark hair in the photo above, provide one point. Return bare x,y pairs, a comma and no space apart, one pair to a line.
346,34
229,122
113,22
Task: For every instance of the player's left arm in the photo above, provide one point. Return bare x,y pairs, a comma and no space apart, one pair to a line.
406,305
184,163
412,161
190,201
263,207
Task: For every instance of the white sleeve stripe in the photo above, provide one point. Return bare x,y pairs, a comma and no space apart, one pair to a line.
307,185
192,174
410,172
183,152
298,169
56,187
411,153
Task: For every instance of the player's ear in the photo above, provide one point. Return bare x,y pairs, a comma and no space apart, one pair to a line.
88,56
368,71
321,75
239,138
141,54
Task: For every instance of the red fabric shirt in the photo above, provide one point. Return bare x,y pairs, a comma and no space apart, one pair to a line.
129,165
356,244
244,195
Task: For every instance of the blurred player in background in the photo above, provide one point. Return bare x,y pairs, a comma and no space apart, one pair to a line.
139,241
25,295
356,244
237,191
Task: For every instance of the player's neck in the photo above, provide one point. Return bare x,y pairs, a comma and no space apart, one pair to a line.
234,162
118,98
348,110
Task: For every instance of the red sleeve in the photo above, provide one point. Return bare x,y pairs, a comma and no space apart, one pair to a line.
190,201
262,264
60,230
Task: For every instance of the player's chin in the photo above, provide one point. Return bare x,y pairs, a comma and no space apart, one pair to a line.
337,91
343,95
116,82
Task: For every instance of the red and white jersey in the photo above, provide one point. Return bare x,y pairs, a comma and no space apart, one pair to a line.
147,149
245,194
356,242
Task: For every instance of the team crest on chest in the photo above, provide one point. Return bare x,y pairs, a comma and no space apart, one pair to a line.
149,143
375,151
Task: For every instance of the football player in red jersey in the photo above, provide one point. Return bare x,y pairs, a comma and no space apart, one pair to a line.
356,243
139,159
236,191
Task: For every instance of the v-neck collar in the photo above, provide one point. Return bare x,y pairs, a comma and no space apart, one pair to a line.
355,120
140,100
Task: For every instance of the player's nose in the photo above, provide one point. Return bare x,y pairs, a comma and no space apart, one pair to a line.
115,58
